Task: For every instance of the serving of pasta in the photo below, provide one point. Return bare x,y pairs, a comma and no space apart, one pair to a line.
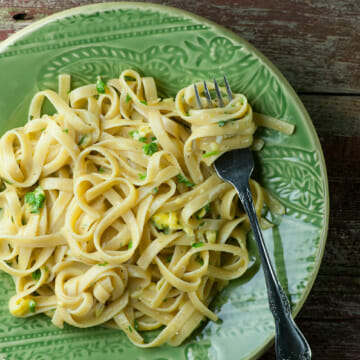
111,212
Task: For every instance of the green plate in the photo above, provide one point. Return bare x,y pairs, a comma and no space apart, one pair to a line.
176,48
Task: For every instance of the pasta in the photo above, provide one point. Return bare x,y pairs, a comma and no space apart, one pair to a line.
111,212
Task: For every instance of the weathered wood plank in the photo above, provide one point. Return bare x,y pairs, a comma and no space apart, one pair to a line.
315,43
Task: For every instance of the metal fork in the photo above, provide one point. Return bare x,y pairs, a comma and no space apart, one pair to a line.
236,167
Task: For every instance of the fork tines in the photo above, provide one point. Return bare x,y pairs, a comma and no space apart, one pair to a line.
218,94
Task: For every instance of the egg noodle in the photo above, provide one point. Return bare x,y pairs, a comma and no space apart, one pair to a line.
111,212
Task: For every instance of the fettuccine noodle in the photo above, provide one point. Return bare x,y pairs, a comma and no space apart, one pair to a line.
111,212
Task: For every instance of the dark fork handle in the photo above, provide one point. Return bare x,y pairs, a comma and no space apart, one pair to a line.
290,343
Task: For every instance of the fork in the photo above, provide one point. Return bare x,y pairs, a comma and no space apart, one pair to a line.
235,167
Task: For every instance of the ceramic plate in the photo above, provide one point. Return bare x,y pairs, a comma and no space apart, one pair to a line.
177,49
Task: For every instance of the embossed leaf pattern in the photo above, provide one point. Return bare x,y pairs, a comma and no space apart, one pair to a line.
294,176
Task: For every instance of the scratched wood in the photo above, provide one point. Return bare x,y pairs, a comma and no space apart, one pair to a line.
316,45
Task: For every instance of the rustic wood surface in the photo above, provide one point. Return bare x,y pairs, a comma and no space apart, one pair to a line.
316,45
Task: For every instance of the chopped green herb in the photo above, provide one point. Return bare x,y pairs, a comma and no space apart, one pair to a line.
142,176
17,259
12,219
133,133
143,139
128,78
130,328
32,305
35,199
81,140
153,138
183,180
143,102
130,245
23,221
65,130
202,212
2,186
150,149
101,169
100,86
31,117
168,259
155,190
211,153
7,181
136,325
128,98
43,129
9,263
166,230
199,259
36,275
197,244
68,92
221,123
187,113
202,223
103,264
10,247
166,299
46,269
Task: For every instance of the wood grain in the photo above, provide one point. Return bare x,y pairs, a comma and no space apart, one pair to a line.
316,45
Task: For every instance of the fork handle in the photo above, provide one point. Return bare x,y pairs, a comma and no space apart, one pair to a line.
290,343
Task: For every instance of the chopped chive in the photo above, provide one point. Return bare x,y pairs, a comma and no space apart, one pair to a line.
166,299
143,139
23,221
136,325
2,187
130,328
31,117
65,130
183,180
199,259
32,305
202,223
142,176
100,86
10,247
68,92
221,123
155,190
150,149
197,244
130,245
211,153
81,140
101,169
46,269
35,199
168,259
128,78
153,138
43,129
128,98
187,113
143,102
7,181
133,133
12,219
103,264
36,275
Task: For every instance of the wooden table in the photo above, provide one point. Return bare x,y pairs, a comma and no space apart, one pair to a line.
316,45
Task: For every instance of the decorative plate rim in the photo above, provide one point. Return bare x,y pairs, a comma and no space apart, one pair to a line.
90,8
